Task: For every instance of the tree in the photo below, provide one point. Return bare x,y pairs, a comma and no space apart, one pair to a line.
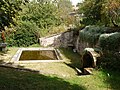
111,10
43,14
105,12
8,11
64,8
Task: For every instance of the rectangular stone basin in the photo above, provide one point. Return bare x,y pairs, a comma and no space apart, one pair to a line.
38,55
28,55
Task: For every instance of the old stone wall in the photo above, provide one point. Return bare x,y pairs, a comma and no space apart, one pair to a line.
79,42
59,40
65,39
81,45
107,42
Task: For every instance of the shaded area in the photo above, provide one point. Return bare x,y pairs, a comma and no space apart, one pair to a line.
2,54
15,79
112,79
87,60
21,78
8,54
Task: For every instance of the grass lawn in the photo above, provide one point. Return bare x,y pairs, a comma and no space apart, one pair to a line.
55,76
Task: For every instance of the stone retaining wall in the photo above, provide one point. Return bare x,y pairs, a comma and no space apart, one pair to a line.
65,39
80,45
59,40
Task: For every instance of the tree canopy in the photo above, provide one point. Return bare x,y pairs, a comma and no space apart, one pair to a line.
8,11
44,15
64,9
105,12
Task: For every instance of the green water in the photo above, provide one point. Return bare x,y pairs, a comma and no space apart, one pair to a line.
38,55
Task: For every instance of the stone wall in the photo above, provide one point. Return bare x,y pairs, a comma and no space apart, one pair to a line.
100,38
80,45
59,40
73,39
66,39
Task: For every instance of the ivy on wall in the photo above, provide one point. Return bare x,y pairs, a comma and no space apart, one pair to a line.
90,34
107,40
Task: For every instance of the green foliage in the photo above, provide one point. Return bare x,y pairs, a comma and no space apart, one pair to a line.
111,61
92,11
99,35
64,8
44,15
25,35
110,41
90,34
35,19
52,30
100,12
8,11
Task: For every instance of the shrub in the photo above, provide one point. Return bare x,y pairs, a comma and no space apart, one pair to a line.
90,34
111,61
25,35
106,38
52,30
110,41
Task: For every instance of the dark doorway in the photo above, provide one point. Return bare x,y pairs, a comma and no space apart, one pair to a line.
87,60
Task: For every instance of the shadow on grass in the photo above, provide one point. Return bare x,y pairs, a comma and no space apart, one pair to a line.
19,78
112,79
2,53
74,57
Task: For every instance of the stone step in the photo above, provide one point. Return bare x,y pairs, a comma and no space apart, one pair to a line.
79,71
84,71
87,71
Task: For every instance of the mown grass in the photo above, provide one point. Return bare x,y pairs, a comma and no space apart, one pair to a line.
12,79
7,56
72,58
56,76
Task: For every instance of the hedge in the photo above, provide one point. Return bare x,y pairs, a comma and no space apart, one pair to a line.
24,35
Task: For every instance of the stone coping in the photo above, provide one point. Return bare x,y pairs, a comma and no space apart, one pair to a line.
16,57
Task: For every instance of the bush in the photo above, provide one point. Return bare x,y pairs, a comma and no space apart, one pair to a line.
52,30
110,41
111,61
25,35
106,38
90,34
